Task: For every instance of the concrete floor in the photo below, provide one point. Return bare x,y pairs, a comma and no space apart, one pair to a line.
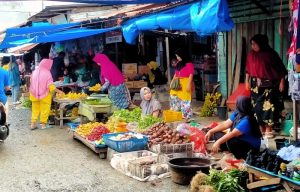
51,161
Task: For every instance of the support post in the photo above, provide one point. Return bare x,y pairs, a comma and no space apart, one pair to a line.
168,57
295,120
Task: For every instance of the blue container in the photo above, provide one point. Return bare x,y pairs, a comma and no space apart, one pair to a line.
133,144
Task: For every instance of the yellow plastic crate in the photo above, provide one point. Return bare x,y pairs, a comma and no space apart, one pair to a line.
171,116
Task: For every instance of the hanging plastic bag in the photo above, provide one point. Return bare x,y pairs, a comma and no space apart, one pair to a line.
198,137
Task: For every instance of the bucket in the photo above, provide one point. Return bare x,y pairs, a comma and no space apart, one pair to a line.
222,112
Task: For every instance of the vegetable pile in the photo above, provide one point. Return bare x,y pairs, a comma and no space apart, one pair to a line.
127,116
161,133
218,181
26,102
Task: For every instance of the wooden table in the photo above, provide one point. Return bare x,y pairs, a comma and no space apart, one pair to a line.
59,106
273,179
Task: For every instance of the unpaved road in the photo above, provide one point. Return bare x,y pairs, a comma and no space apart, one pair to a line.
51,161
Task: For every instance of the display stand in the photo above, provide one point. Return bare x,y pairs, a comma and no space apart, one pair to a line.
272,179
101,151
90,111
59,110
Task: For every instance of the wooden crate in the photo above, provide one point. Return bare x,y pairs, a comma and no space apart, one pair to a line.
140,84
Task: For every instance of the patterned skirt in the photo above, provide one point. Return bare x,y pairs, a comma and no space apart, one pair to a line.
119,96
267,103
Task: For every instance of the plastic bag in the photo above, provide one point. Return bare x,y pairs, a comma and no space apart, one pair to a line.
198,137
229,162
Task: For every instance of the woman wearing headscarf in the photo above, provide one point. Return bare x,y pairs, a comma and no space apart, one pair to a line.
41,89
113,80
244,134
149,105
265,74
14,79
180,100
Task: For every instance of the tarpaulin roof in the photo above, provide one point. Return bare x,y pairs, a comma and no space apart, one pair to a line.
205,18
17,34
59,36
120,2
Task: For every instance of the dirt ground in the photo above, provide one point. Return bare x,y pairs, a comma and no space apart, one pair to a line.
51,161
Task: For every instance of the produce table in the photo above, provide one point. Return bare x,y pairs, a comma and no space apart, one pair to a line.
90,111
71,86
59,105
101,151
273,179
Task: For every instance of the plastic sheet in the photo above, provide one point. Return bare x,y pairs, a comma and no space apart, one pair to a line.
204,18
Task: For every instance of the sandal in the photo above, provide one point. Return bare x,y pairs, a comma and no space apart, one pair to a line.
47,126
33,127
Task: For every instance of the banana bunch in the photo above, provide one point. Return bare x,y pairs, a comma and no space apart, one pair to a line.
72,96
86,129
96,87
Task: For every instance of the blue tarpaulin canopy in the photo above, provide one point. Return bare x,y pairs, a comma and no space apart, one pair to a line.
205,18
120,2
23,33
52,36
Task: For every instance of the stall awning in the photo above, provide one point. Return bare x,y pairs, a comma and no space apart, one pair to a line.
23,48
23,33
204,18
56,36
120,2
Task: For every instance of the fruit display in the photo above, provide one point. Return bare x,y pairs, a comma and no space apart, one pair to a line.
97,133
100,101
161,133
85,129
95,88
71,96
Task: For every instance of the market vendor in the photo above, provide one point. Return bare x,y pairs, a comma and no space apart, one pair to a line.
41,89
149,105
82,73
244,134
113,81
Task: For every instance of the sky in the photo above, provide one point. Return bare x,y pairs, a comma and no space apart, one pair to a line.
17,12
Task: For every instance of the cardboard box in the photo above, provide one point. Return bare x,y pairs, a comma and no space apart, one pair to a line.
140,84
143,69
129,84
129,68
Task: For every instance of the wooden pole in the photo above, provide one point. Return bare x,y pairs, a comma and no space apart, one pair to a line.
295,120
168,58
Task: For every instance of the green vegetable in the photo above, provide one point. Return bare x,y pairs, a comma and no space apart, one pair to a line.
147,121
128,116
229,182
135,116
26,102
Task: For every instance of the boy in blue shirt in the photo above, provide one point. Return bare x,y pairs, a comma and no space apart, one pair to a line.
244,132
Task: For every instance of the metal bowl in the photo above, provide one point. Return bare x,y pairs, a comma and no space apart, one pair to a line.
184,169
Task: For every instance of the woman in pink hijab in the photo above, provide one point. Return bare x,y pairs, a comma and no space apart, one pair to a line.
41,89
113,80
